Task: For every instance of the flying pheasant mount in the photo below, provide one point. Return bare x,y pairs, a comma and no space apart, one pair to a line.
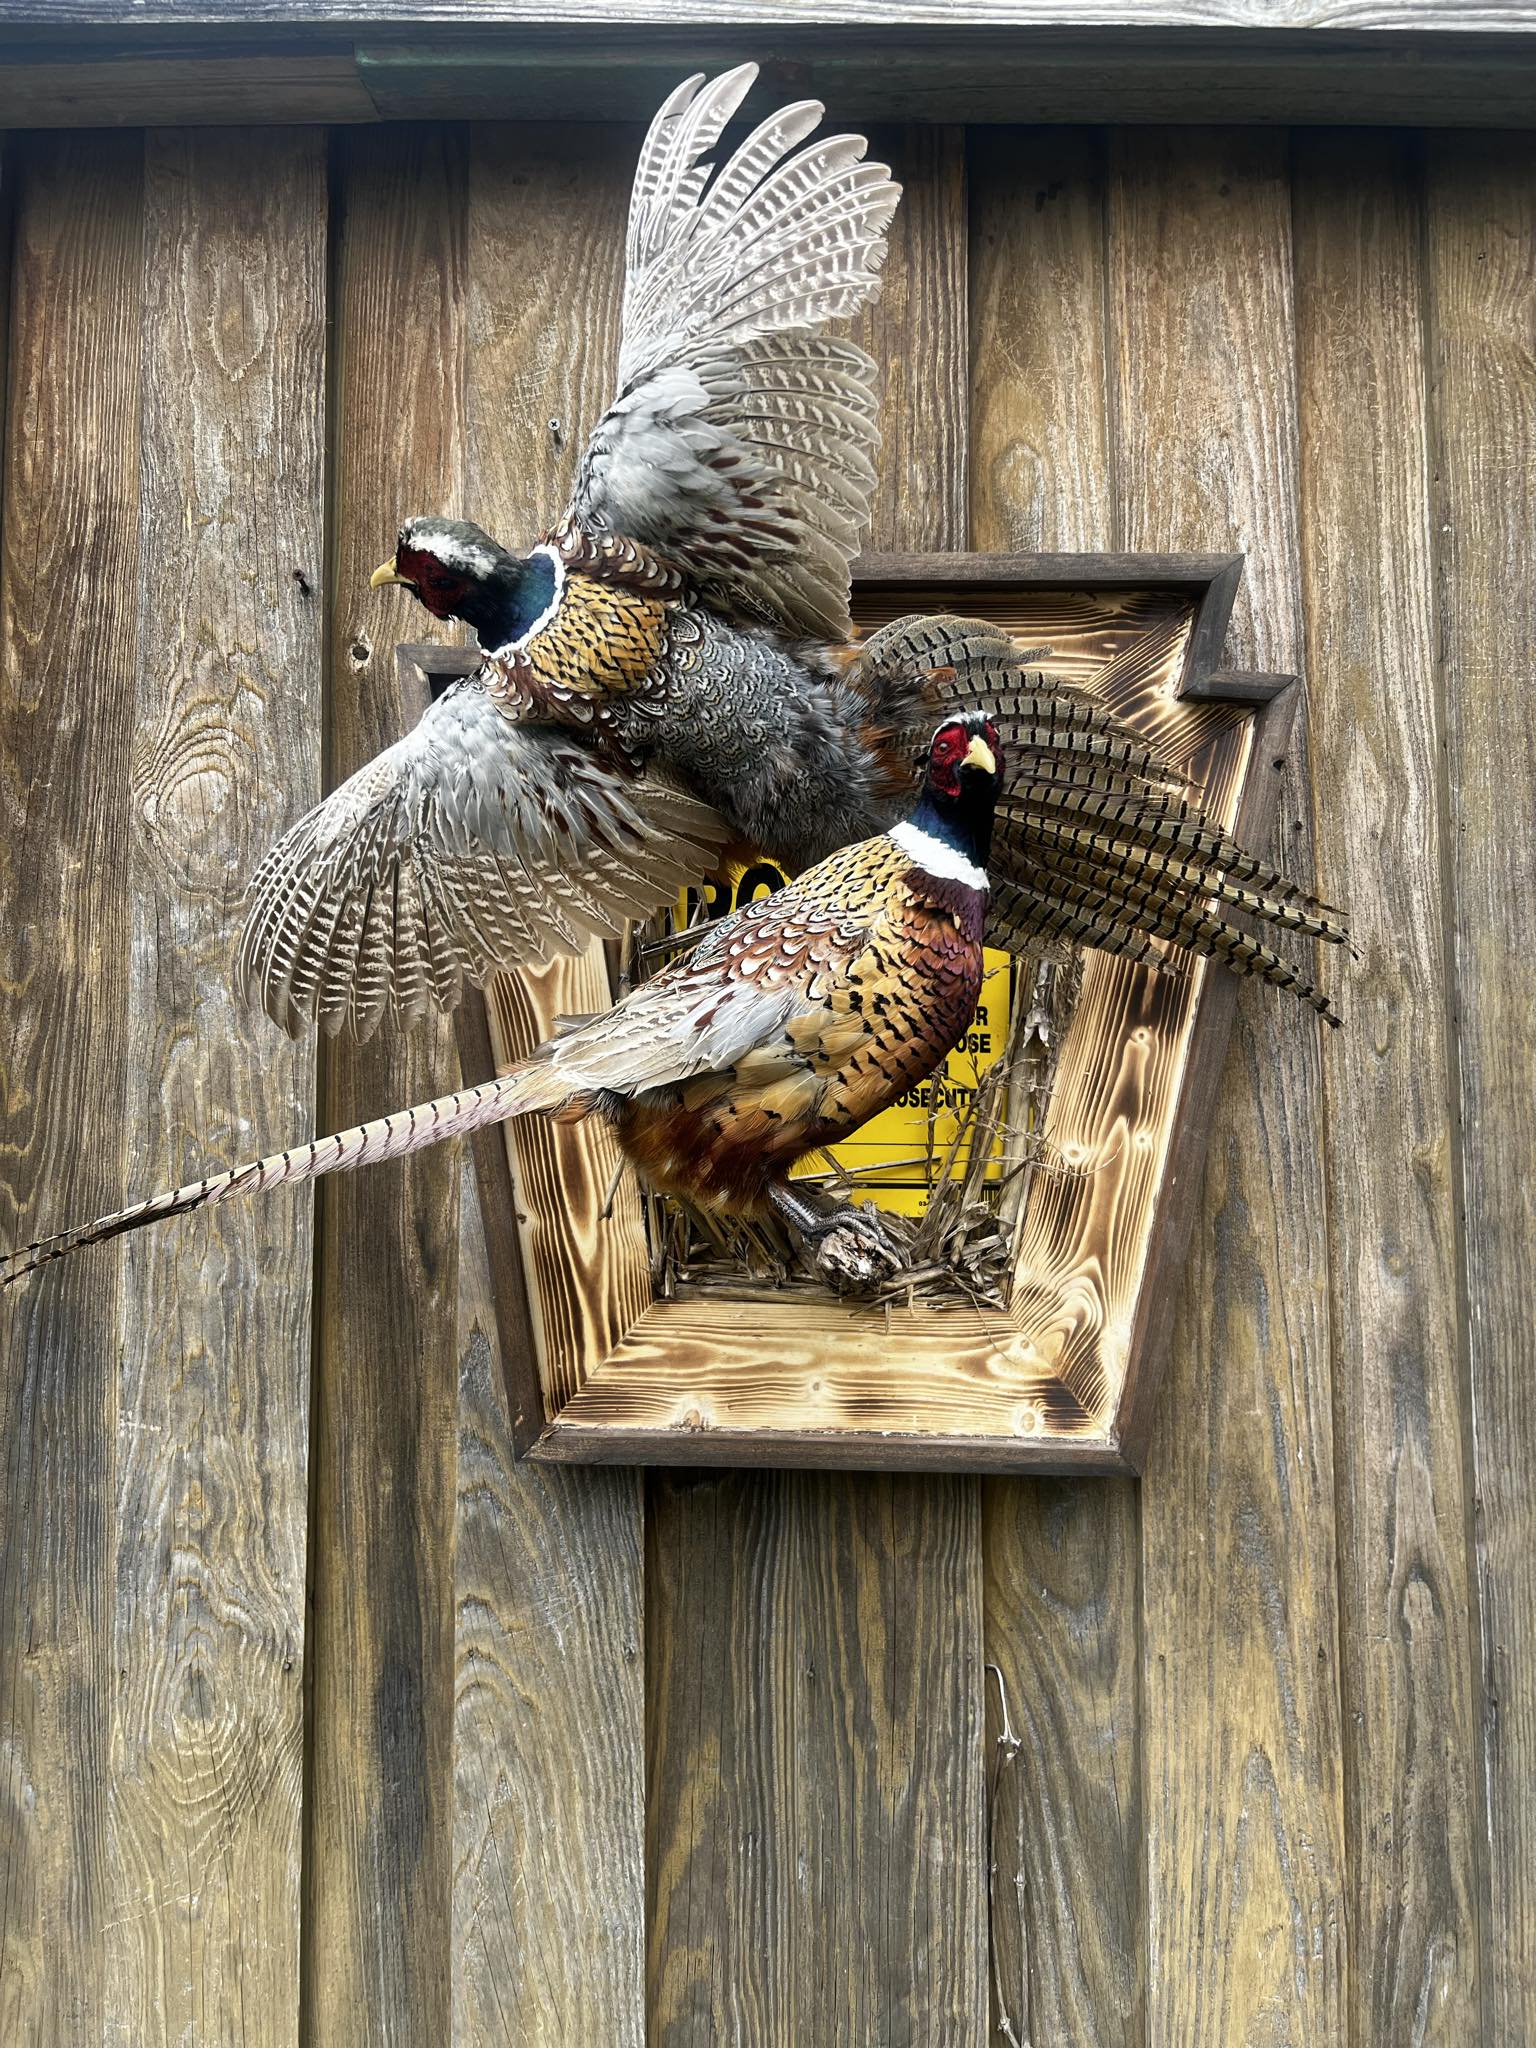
610,1359
673,674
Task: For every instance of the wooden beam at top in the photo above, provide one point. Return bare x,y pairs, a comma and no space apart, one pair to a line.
73,63
1247,17
252,83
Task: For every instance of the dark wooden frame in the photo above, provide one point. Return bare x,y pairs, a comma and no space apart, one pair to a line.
1211,581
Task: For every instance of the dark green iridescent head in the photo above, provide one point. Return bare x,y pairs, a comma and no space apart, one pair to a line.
458,572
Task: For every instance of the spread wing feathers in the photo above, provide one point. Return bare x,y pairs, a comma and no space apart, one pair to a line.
387,1137
1096,841
741,443
472,843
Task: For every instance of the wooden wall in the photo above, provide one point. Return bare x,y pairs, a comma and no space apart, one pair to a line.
319,1721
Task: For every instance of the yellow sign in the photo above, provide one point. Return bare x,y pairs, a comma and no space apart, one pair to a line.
897,1154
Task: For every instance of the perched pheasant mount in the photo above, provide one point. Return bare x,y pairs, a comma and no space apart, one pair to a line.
1064,1379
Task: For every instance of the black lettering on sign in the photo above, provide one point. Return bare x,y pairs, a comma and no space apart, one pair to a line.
760,881
717,900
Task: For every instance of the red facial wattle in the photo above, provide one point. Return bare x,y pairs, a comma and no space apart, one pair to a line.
440,589
944,761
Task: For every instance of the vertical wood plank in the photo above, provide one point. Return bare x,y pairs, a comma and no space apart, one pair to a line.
69,644
888,1747
1061,1555
1039,455
1241,1736
208,1620
378,1896
1405,1625
10,162
885,1757
815,1841
911,331
1481,250
549,1892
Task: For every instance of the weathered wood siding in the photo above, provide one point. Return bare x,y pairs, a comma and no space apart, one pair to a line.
320,1721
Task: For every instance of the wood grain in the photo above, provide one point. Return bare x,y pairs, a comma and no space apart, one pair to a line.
549,1821
379,1890
1405,1623
71,523
1241,1736
1481,298
837,1698
208,1621
1061,1556
66,89
1039,429
916,332
585,1255
549,1794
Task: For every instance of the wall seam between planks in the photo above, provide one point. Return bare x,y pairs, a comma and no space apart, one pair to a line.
1450,925
313,1464
971,1527
1114,443
1347,1766
987,1830
10,156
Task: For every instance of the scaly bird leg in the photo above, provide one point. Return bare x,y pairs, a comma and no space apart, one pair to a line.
851,1251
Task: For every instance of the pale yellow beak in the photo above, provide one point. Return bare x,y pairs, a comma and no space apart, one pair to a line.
979,755
385,573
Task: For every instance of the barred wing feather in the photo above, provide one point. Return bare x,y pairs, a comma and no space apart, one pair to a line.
472,843
732,999
741,445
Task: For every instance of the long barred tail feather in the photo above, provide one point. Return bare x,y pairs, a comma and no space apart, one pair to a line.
387,1137
1131,924
1173,824
1101,856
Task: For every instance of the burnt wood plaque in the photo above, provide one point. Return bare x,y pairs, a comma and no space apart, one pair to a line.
607,1364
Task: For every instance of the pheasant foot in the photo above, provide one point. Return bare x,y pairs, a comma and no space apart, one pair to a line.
849,1246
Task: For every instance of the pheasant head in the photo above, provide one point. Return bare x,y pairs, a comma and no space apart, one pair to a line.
949,832
459,572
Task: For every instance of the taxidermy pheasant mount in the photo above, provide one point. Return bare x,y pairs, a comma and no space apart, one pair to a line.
788,1025
671,678
672,670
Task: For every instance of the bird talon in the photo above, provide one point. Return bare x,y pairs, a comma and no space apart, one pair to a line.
853,1254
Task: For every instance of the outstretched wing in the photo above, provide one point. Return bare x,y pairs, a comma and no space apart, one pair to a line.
741,444
472,843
